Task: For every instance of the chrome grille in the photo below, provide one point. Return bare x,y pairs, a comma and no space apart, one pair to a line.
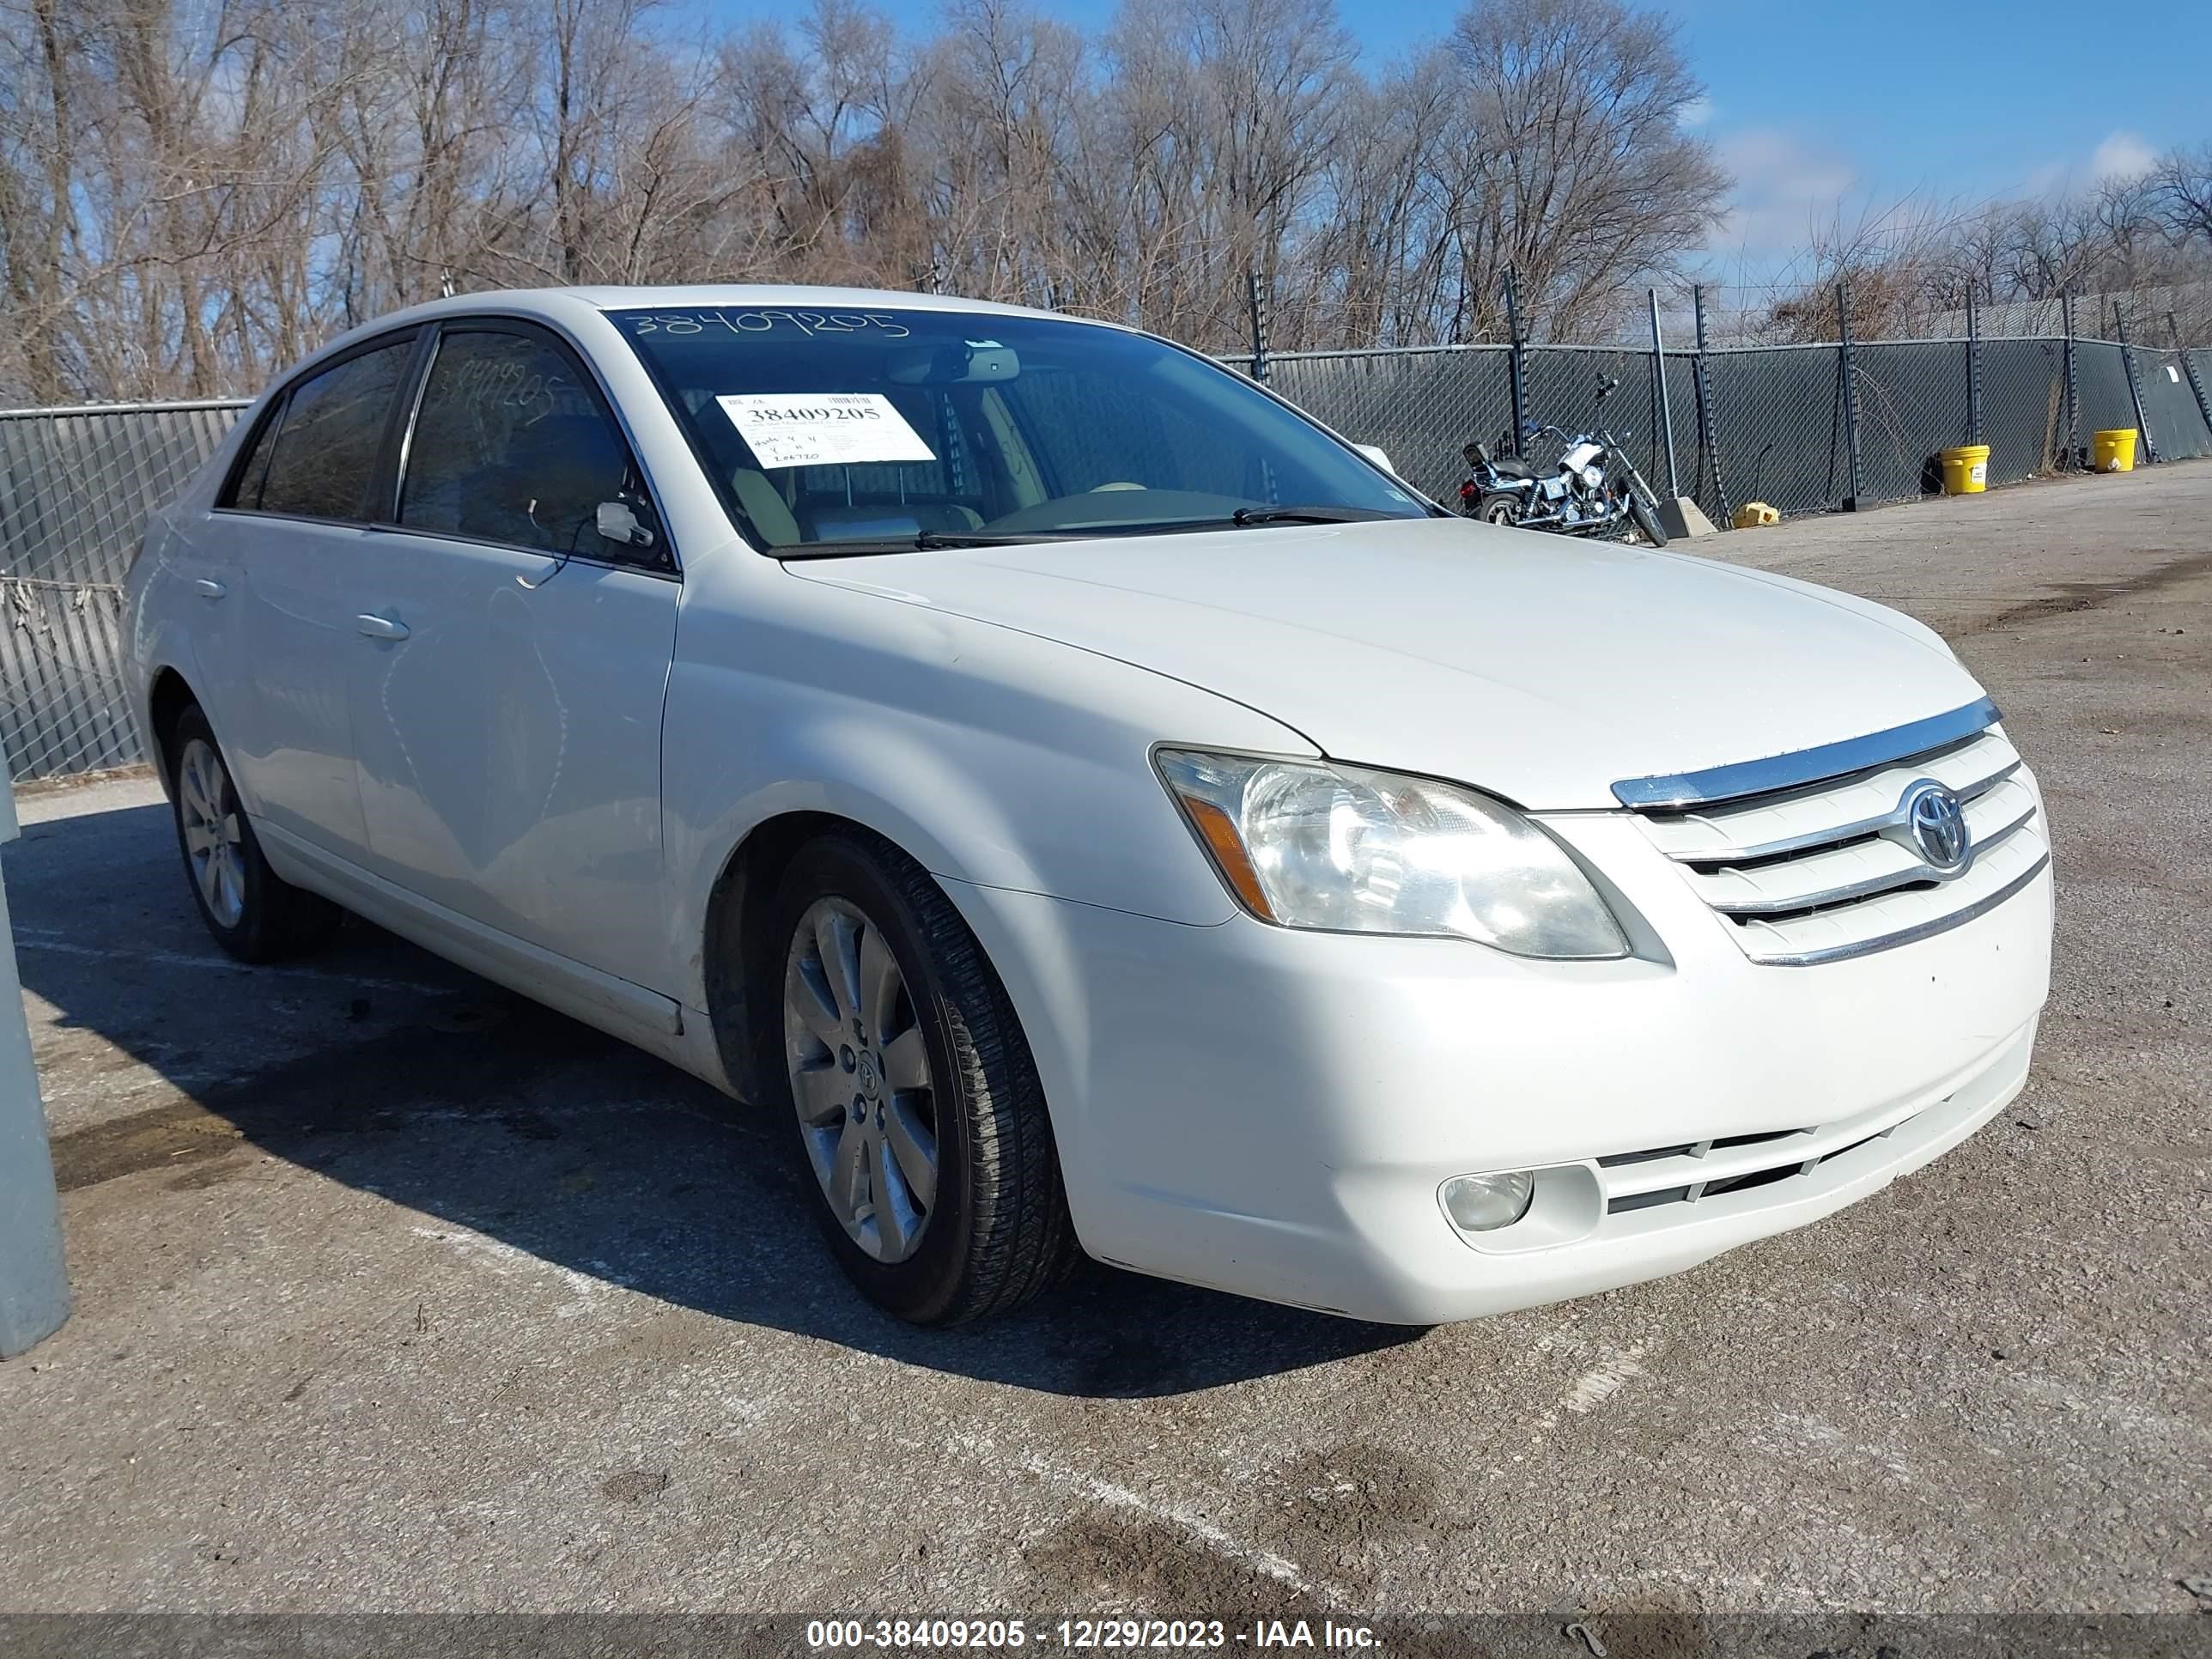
1814,871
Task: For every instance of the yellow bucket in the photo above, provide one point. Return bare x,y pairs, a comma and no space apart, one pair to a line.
1966,470
2114,450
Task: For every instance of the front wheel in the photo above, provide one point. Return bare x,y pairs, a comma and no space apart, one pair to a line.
1647,519
917,1106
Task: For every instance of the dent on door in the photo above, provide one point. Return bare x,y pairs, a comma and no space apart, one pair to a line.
509,749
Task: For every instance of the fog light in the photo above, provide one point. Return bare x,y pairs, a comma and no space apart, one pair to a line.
1482,1203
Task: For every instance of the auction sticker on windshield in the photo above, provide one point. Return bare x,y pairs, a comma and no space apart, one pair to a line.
822,428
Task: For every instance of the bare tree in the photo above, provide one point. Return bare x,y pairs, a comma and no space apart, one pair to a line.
192,195
2181,192
1577,171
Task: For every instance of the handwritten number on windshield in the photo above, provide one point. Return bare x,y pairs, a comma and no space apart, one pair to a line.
811,324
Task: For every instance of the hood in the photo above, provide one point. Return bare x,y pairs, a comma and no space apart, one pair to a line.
1539,668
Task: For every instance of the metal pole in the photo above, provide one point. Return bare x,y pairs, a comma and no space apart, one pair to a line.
1973,369
2189,368
2072,389
1706,420
1256,295
1666,406
1850,388
33,1282
2134,386
1517,367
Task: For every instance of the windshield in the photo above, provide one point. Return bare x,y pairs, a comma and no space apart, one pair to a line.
834,431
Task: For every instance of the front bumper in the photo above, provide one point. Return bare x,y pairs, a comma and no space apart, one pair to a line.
1273,1113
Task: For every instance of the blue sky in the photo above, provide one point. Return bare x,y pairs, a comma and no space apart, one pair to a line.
1816,104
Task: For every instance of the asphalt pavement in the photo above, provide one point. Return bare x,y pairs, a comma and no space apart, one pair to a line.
395,1292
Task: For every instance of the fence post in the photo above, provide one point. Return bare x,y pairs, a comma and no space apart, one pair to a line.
1705,419
2073,390
1517,367
1257,295
1851,394
2134,385
1973,369
1666,404
2189,368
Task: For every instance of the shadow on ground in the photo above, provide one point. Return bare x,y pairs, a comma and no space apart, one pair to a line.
378,1066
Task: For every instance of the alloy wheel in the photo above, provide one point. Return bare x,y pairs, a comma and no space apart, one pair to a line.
860,1079
214,834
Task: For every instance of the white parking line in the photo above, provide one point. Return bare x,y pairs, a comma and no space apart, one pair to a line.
1195,1527
1604,1380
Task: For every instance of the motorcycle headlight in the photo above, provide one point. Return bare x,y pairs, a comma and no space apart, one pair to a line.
1346,849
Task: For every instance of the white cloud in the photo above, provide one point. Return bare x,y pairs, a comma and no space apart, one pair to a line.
1784,190
2122,155
1696,112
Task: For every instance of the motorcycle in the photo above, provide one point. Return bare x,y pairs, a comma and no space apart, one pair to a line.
1595,489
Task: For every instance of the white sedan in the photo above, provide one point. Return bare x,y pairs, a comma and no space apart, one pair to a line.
1099,809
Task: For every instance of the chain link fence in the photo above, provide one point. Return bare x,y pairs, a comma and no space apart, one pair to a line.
1805,428
75,487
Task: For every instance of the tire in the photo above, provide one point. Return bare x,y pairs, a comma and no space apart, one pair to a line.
254,914
992,1230
1498,510
1647,519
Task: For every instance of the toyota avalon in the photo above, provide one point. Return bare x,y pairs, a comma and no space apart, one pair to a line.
1095,807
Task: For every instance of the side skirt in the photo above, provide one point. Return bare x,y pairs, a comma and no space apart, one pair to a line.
645,1019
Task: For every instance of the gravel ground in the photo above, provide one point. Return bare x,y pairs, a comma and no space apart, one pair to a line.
395,1293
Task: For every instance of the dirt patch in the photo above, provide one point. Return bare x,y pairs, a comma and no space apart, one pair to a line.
635,1485
1355,1509
2069,596
1105,1562
369,1087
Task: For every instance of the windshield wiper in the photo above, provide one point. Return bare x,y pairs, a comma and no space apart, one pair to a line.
926,541
1250,516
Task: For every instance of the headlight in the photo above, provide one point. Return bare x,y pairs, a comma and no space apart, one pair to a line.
1353,851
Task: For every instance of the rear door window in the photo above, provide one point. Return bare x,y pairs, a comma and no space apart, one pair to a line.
246,486
512,445
329,436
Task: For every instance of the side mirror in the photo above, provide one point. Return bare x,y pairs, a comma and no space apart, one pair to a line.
618,522
1376,454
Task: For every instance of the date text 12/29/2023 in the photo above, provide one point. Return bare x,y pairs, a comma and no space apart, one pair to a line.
1113,1634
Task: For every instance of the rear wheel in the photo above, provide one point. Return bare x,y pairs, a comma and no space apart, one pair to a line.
1647,518
1498,509
254,914
917,1107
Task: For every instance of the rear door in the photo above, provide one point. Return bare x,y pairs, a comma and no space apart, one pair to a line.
510,665
290,527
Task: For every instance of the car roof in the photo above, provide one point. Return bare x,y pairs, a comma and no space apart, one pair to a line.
564,302
752,295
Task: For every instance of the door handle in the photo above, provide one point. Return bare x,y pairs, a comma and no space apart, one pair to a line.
209,590
381,628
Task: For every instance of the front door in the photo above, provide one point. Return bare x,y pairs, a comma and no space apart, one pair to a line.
509,664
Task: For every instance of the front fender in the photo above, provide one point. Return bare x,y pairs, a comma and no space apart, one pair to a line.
991,757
